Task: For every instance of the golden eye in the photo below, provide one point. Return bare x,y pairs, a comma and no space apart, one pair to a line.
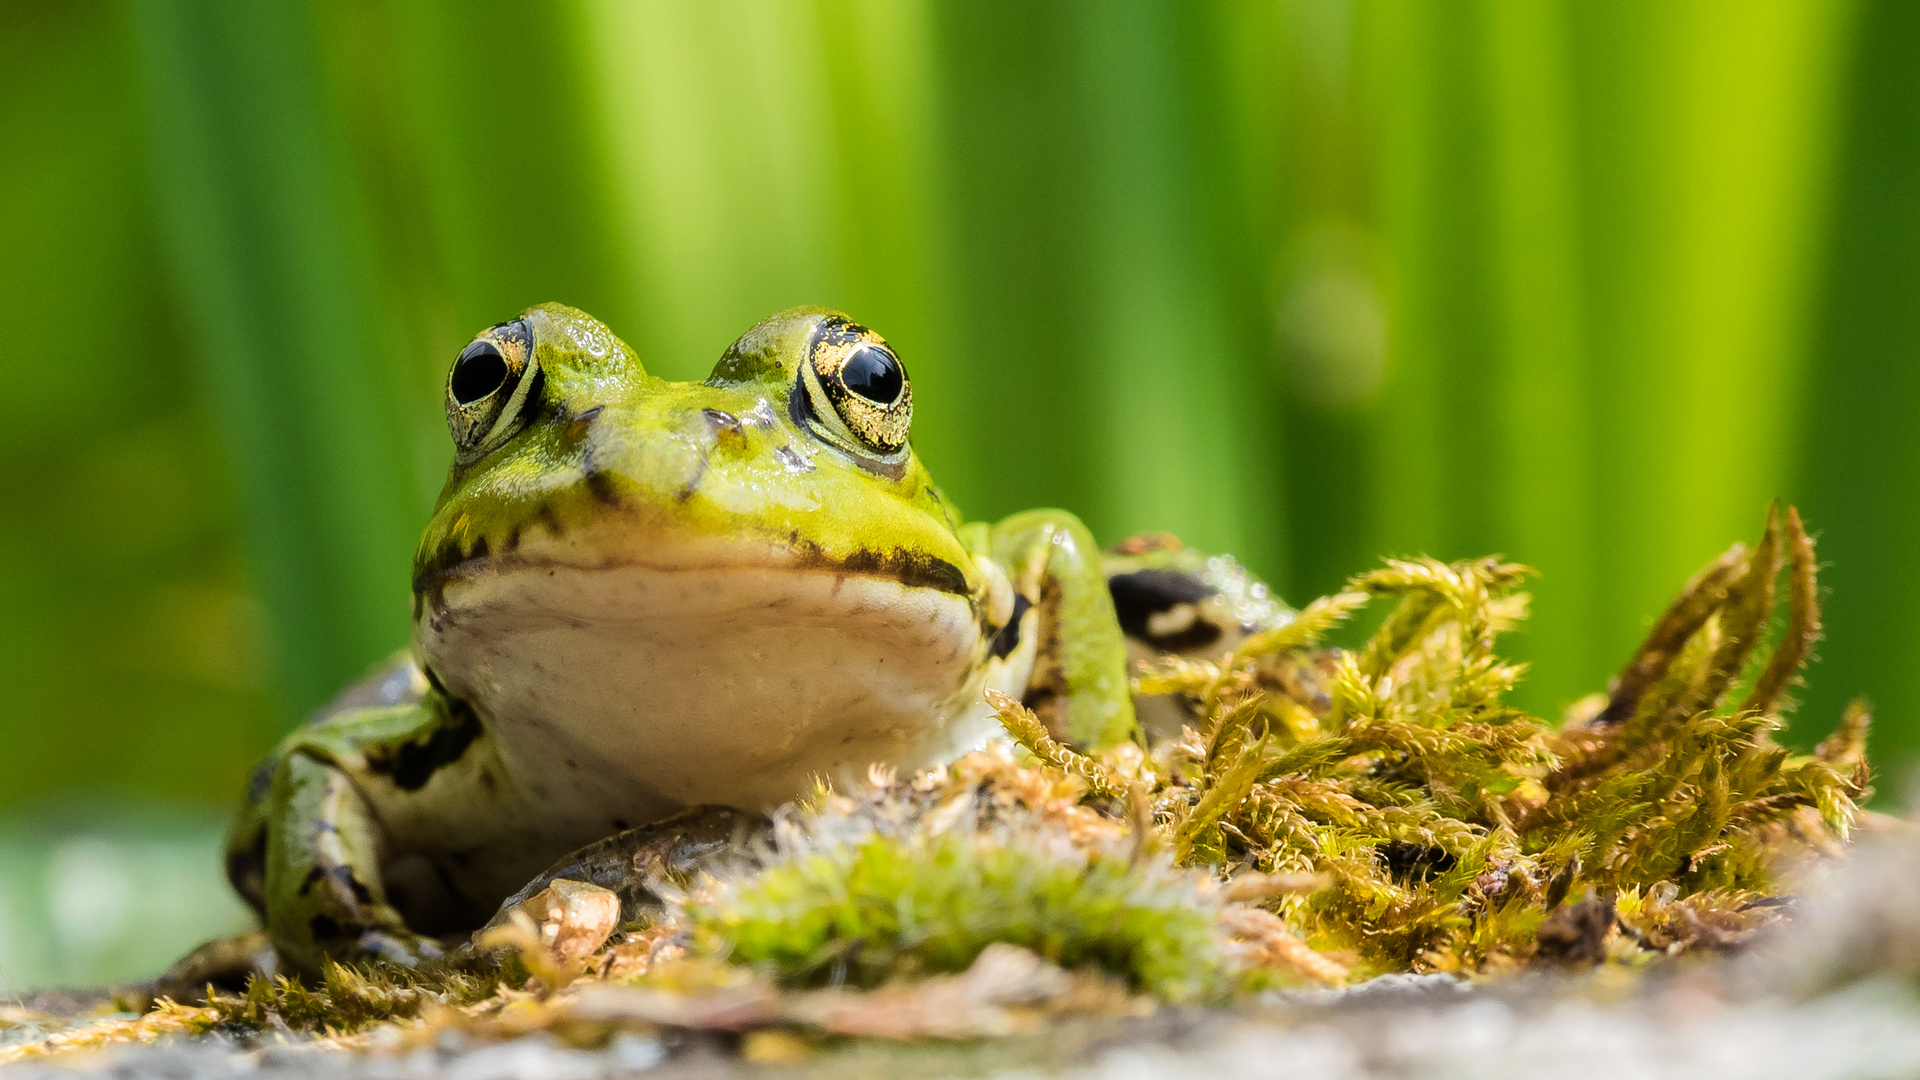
858,392
492,389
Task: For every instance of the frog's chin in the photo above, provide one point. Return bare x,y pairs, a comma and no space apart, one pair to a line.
627,690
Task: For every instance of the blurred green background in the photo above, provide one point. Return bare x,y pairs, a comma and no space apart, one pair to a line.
1312,281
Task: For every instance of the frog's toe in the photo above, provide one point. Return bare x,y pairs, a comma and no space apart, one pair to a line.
404,949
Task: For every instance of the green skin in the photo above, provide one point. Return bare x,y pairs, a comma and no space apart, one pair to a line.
637,596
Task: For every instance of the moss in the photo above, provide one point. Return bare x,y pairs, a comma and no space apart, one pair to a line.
351,998
1451,824
867,911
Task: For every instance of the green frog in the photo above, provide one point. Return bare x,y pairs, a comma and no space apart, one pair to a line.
637,596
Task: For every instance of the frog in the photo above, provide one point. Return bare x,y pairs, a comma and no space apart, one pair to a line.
637,597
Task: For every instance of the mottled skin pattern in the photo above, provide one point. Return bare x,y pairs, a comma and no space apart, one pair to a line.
637,596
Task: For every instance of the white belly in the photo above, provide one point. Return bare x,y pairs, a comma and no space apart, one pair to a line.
619,695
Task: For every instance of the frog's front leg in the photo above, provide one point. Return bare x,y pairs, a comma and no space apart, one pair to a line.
1079,681
309,846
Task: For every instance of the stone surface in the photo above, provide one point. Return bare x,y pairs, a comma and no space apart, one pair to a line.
1831,997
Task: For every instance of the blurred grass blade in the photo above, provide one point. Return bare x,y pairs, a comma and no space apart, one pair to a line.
1862,452
291,339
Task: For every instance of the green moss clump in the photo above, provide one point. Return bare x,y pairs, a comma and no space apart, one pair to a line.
1450,825
868,910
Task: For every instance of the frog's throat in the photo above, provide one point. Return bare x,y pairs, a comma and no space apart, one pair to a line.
632,691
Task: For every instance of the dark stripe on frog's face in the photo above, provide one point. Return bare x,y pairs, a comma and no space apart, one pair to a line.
916,570
911,568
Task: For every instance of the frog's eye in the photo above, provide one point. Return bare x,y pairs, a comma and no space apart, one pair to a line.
856,392
478,372
875,374
493,387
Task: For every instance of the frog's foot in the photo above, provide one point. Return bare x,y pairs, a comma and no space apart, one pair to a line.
223,963
632,863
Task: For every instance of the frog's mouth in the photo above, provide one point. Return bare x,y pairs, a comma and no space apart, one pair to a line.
712,673
453,565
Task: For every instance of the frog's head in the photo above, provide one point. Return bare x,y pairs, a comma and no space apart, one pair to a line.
780,495
793,454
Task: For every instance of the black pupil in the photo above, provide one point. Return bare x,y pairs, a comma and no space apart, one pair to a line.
873,374
479,372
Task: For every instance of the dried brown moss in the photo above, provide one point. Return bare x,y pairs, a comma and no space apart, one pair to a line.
1449,824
